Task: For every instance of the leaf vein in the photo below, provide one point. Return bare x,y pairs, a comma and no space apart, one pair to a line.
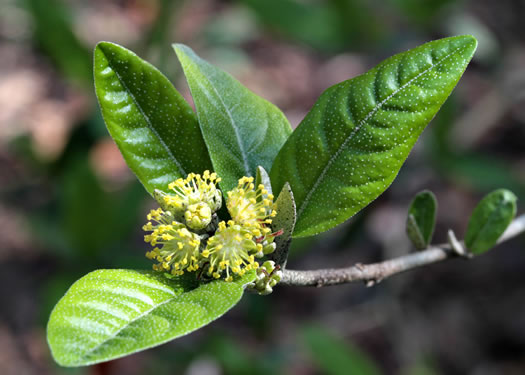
148,122
234,127
372,112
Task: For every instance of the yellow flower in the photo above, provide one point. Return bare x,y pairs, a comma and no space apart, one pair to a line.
189,197
185,239
177,249
231,251
250,207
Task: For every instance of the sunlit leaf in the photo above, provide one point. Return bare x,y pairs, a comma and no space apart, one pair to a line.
111,313
351,145
154,127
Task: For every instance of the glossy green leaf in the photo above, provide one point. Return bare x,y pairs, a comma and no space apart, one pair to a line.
335,356
284,221
241,129
421,219
154,127
489,220
111,313
351,145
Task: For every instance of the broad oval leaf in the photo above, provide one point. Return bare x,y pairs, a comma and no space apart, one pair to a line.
154,127
489,220
111,313
241,129
351,145
421,219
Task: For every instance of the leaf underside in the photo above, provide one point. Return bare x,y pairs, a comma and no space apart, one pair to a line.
111,313
242,130
154,127
351,145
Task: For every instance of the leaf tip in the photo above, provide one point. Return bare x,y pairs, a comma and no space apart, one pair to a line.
470,42
181,49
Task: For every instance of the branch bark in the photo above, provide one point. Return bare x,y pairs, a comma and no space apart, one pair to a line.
373,273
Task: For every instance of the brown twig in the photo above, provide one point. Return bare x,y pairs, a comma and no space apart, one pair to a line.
373,273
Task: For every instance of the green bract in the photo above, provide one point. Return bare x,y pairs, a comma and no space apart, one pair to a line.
343,155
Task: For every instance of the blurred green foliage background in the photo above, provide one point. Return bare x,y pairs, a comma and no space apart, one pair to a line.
69,205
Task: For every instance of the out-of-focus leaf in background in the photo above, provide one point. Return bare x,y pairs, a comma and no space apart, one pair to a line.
328,26
54,34
334,356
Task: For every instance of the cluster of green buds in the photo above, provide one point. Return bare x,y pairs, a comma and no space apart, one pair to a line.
187,236
268,276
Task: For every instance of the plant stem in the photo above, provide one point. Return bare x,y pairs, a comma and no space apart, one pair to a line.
374,273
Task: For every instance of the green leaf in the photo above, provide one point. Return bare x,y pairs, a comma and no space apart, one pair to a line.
351,145
263,178
335,356
153,126
53,32
421,219
241,129
111,313
285,221
489,220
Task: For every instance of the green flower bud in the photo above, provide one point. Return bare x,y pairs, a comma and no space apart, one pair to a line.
198,216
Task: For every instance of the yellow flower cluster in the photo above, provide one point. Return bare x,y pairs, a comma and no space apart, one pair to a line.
186,235
178,248
248,207
193,199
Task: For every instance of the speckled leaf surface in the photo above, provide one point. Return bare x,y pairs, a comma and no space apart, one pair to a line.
351,145
284,221
111,313
154,127
489,220
241,129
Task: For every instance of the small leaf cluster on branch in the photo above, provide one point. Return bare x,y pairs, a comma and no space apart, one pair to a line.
488,222
343,155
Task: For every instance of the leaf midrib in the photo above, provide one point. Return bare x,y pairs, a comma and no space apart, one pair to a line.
147,119
244,156
116,333
359,125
